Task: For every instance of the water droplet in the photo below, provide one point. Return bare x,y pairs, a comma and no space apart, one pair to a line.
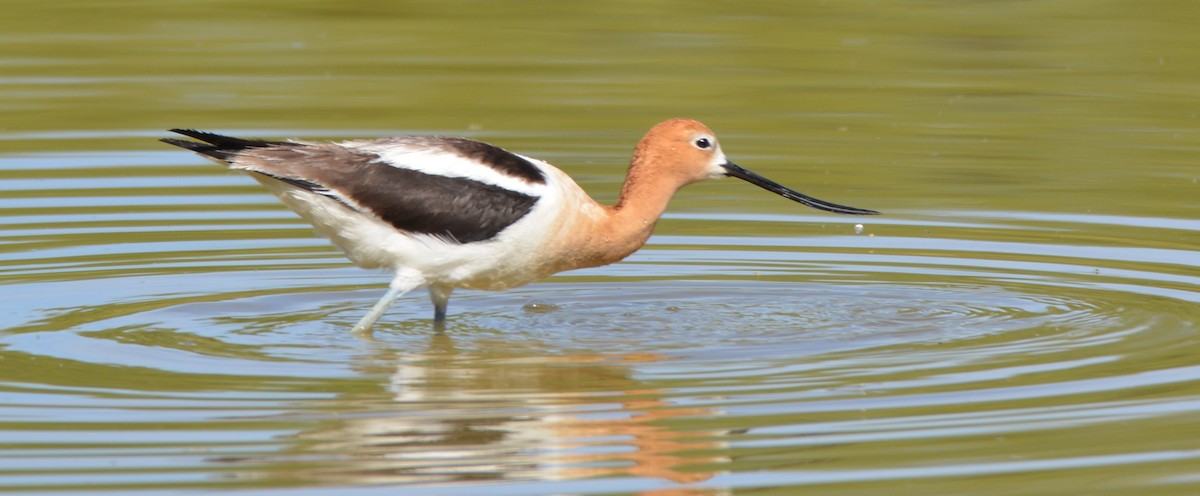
540,307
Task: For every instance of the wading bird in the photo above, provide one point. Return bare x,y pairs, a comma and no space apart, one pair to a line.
448,213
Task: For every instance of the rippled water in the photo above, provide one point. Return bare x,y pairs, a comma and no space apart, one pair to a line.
1023,319
182,337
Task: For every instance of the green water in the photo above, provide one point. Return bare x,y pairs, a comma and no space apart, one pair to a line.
1022,320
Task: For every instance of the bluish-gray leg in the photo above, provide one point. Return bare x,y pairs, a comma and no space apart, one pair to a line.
440,296
399,286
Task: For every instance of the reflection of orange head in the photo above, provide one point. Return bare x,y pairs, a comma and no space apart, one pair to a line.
448,416
528,418
658,452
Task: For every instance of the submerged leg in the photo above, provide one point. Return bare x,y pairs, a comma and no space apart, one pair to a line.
396,289
440,296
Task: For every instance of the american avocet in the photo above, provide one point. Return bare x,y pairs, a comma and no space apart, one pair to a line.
450,213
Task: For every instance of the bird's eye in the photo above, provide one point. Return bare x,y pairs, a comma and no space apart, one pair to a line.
703,143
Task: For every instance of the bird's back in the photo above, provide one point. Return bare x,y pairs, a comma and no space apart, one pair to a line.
457,211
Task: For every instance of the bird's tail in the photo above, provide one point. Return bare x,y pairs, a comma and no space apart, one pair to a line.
216,146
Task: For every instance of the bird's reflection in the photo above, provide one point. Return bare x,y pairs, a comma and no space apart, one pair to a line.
494,412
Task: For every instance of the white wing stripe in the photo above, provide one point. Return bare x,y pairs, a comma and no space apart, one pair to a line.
446,164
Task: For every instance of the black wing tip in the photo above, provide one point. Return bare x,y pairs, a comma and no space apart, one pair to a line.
205,149
215,145
205,136
223,140
190,145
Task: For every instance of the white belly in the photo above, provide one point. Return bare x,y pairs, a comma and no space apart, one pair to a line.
514,257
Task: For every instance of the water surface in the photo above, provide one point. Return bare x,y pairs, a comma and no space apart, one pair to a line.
1022,320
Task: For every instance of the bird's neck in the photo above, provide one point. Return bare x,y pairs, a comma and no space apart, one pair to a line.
631,220
600,235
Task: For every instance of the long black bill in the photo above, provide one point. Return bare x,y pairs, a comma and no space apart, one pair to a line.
737,171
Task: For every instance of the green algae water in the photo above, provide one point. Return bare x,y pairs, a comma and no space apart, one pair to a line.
1023,319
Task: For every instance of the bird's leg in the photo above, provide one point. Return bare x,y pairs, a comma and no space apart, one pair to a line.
399,286
440,296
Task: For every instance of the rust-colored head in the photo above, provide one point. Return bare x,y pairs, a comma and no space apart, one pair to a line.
681,150
685,151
